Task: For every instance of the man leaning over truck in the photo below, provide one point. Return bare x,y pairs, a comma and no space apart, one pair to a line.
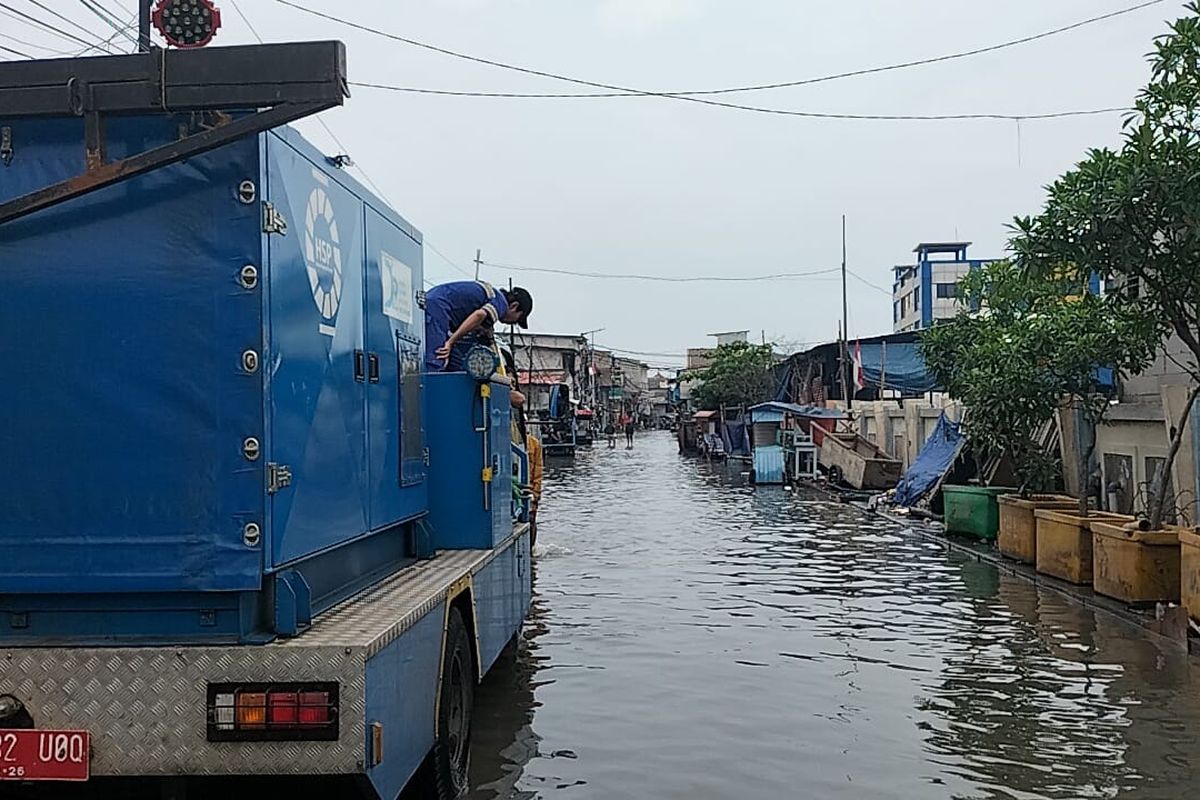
455,312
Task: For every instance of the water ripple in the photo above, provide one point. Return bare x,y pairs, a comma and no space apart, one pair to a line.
693,637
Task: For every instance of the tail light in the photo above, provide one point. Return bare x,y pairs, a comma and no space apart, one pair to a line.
247,712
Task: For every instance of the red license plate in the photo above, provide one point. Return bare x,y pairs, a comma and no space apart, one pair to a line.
44,755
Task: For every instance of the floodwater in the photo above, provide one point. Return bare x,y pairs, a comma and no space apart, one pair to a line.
694,637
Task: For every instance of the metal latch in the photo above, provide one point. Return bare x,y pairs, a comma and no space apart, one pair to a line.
420,298
279,476
273,221
425,454
6,148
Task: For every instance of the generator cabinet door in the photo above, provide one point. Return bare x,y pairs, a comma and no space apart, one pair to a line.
395,326
316,364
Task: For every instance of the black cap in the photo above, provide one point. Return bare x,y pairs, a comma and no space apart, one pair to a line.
525,299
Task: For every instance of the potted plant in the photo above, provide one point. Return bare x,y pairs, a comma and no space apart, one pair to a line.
1133,216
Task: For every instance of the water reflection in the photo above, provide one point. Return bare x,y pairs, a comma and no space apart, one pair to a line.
694,637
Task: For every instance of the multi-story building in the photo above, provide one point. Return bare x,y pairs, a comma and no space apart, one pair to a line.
701,357
927,291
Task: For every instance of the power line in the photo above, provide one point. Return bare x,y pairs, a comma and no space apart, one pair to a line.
668,95
108,18
102,47
12,12
1088,112
63,17
665,278
868,70
640,352
446,258
246,20
863,280
15,52
12,38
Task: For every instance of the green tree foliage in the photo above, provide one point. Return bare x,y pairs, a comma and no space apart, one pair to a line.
1133,214
739,374
1022,347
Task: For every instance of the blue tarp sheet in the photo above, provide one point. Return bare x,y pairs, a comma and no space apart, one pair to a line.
735,436
899,365
935,458
800,411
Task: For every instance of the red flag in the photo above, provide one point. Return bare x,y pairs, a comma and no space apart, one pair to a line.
860,379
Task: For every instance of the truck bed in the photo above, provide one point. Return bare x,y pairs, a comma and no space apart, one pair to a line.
146,706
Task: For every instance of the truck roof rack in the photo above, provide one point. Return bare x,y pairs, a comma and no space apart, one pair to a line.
274,83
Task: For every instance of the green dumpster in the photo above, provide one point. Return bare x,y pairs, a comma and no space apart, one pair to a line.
972,510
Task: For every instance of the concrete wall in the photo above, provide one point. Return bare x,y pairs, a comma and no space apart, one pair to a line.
901,431
1146,387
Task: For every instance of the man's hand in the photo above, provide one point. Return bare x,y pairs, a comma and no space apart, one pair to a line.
516,398
443,352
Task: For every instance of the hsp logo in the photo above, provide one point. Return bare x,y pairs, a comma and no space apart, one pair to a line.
323,257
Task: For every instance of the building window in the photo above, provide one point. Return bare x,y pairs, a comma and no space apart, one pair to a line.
916,295
947,290
895,312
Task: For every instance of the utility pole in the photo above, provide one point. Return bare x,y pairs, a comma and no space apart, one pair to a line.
593,378
479,263
512,347
845,325
144,25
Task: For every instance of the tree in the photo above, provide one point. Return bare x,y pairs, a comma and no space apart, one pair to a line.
1024,346
994,364
1133,215
739,374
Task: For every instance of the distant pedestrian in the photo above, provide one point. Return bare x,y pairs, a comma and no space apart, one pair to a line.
629,427
610,432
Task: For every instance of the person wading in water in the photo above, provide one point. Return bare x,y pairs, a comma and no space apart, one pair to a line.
628,426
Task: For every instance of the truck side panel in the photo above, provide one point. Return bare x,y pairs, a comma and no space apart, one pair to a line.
496,590
402,688
318,385
124,335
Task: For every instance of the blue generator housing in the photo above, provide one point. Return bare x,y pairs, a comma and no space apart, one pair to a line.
213,421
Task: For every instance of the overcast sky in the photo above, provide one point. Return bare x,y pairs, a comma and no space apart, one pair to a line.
659,186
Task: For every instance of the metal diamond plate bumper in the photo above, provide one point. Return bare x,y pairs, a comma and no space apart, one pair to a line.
145,706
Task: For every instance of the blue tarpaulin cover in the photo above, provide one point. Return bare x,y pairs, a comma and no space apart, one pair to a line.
899,365
936,457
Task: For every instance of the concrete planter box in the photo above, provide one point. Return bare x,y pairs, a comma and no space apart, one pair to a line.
1064,542
1189,572
1018,526
1136,566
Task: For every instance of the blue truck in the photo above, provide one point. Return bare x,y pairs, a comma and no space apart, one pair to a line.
243,533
